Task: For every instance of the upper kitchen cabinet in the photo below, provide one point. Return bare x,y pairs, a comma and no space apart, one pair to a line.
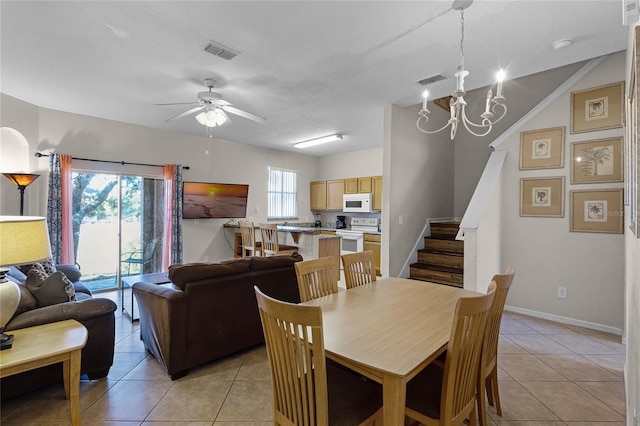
361,185
318,195
376,183
326,195
335,191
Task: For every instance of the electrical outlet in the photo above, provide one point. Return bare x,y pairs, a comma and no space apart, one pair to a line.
562,292
206,258
400,220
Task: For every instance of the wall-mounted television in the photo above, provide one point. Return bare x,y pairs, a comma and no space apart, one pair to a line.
202,200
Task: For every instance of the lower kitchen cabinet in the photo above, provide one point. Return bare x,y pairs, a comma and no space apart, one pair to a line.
372,243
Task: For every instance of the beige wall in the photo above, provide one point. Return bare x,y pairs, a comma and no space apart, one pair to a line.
544,251
210,160
418,183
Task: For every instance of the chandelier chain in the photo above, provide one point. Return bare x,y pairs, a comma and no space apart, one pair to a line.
461,38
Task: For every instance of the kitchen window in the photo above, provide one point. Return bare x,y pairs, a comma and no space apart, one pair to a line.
282,194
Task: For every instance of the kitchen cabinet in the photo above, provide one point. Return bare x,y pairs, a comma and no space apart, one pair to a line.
335,190
376,184
330,247
372,243
318,195
364,185
326,195
351,186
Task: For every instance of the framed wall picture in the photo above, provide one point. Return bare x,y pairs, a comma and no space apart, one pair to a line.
542,197
597,161
597,109
542,149
597,210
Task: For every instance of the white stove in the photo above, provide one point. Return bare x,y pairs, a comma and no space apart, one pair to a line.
352,240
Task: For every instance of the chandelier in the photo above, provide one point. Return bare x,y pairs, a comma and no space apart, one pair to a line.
457,102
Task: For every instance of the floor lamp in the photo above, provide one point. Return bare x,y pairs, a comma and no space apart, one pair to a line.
24,240
22,180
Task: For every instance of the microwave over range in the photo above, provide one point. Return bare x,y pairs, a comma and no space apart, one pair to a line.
356,203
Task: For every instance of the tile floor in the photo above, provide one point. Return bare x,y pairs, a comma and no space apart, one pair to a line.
550,375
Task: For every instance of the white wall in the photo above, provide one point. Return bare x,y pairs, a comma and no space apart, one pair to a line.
351,164
543,250
632,282
418,183
210,160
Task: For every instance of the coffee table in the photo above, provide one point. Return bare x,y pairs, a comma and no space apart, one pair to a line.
42,345
130,308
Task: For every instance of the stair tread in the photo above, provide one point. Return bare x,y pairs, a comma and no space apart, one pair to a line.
443,252
439,268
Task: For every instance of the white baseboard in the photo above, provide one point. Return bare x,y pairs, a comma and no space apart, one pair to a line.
565,320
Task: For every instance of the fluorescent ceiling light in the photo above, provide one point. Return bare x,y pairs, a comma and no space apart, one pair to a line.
318,141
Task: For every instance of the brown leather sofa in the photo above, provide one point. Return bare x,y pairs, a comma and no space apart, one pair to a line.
211,309
96,314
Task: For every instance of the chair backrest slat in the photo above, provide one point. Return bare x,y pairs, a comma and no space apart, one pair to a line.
317,278
359,268
295,347
463,357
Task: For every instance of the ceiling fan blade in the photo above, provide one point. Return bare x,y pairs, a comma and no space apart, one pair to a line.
245,114
184,114
180,103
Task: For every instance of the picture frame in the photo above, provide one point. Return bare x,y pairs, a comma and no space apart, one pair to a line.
443,102
597,210
599,108
597,161
542,197
542,149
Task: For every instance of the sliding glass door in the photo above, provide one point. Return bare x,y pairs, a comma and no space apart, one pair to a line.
117,226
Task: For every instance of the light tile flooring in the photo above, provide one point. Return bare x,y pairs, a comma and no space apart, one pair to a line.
550,375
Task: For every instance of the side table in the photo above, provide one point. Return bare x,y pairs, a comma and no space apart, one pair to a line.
35,347
128,281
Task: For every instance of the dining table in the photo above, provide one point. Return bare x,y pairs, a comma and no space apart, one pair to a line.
388,331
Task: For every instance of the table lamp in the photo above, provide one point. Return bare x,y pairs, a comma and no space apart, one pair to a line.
22,180
23,240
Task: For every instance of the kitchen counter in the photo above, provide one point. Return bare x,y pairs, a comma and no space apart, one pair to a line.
302,228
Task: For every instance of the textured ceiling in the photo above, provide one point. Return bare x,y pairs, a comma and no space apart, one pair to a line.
311,68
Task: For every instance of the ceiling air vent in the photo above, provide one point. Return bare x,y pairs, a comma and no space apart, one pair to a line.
220,50
433,79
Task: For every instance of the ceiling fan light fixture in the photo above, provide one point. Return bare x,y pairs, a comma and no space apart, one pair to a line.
211,118
318,141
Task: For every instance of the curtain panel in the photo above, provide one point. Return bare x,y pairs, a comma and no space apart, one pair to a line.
172,238
59,216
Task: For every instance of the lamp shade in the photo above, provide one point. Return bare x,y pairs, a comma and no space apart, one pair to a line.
21,179
23,240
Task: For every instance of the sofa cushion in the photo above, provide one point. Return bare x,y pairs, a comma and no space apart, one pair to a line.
16,275
181,274
51,290
273,262
27,301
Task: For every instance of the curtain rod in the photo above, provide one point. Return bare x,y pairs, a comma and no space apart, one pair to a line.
39,154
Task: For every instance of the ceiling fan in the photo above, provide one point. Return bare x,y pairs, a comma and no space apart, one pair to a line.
213,108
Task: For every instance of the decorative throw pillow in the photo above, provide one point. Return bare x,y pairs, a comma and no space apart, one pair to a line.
47,266
51,290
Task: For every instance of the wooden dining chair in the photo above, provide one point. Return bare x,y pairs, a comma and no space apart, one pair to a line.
447,397
488,377
270,244
250,247
317,278
359,268
307,390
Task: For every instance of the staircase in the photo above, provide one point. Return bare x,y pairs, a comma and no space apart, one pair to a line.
442,259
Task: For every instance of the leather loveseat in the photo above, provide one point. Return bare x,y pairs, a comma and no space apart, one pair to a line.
211,309
96,314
